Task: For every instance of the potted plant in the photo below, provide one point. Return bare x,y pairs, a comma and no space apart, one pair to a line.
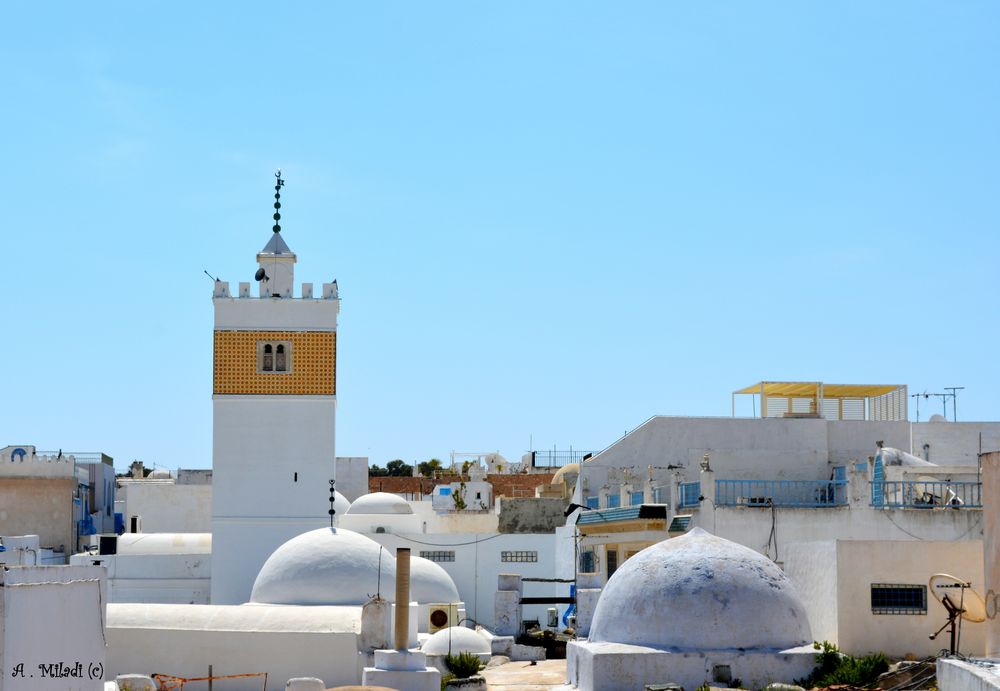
464,669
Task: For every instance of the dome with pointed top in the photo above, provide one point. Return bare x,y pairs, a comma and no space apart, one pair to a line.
699,592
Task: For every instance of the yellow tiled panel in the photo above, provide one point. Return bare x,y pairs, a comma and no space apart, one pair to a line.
313,366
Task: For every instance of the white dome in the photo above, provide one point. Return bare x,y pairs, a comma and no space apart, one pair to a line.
429,583
380,503
700,592
159,474
329,566
340,503
461,640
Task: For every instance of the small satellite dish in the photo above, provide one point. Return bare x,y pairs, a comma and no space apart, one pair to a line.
960,595
261,275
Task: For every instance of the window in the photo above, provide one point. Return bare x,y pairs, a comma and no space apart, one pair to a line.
588,562
519,556
614,501
593,502
893,598
274,356
440,555
612,562
637,498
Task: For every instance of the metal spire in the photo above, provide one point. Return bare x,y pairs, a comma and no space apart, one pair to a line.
279,183
333,497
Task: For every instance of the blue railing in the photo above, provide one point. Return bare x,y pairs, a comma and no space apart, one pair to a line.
801,493
690,494
927,494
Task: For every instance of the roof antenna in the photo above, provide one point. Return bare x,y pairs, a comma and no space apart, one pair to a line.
279,183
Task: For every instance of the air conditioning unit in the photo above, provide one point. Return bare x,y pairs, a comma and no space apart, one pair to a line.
441,616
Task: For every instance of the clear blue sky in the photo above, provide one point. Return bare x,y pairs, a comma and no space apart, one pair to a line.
548,220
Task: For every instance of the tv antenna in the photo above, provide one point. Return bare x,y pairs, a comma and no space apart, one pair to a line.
950,591
950,392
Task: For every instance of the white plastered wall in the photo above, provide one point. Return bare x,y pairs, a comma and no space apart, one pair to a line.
273,460
166,507
284,641
860,563
478,564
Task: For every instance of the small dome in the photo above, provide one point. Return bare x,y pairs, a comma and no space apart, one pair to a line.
700,592
380,503
429,583
340,503
567,474
456,639
329,566
159,474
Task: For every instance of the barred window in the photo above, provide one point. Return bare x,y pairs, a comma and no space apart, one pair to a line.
519,556
439,555
894,598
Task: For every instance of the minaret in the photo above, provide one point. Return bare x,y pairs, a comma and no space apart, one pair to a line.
274,406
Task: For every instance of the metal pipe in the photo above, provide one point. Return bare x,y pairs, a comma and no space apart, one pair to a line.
402,598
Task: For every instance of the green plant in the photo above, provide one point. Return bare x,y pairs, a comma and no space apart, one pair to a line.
833,667
458,497
463,665
703,687
445,678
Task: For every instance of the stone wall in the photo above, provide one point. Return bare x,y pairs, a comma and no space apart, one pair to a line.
542,515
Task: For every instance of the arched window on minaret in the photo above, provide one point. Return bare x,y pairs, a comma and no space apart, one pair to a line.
269,358
279,360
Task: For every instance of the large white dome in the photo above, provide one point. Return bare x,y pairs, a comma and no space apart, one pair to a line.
699,592
380,503
431,584
329,566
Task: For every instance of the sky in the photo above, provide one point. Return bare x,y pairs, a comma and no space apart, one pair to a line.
548,221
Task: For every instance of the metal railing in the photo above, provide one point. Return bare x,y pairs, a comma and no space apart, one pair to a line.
690,494
797,493
924,494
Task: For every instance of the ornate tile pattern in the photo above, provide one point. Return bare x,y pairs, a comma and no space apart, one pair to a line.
313,367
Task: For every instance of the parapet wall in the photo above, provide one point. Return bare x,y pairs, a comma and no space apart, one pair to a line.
21,461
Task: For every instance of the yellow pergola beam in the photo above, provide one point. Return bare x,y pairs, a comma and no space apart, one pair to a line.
791,389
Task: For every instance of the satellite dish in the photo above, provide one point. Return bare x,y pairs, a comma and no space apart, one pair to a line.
961,602
959,594
261,275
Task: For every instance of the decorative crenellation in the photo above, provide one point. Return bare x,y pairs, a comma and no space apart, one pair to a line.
330,292
312,371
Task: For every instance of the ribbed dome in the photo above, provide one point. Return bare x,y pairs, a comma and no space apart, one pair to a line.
431,584
699,592
329,566
380,503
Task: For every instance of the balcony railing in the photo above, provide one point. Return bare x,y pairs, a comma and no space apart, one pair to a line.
794,493
927,494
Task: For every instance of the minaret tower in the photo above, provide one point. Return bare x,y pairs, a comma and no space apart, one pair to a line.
274,401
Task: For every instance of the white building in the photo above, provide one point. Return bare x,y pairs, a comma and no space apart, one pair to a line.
856,471
274,407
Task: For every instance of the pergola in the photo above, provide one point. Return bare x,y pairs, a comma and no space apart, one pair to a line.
829,401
